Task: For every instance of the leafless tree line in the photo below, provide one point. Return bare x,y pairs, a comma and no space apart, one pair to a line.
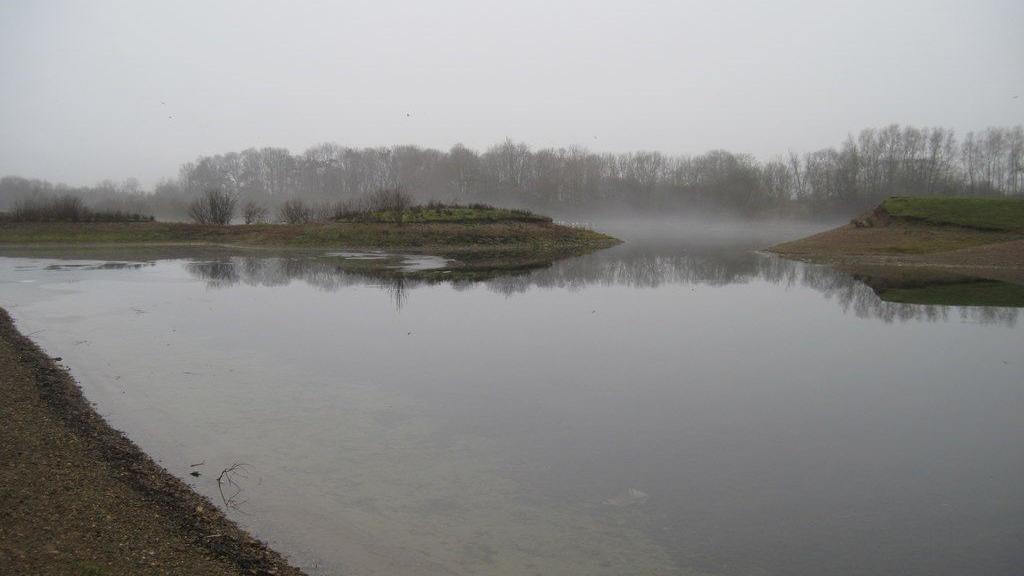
394,201
867,167
65,207
907,161
217,206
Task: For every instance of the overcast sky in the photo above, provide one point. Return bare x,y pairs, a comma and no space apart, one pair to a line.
104,89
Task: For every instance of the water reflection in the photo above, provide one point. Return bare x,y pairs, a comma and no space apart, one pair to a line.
722,412
635,267
329,273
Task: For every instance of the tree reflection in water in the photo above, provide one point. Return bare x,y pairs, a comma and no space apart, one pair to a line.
640,267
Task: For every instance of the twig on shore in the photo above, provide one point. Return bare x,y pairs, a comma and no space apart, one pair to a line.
227,476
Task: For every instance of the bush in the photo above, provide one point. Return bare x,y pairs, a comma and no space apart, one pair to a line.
254,213
395,206
295,211
67,208
393,200
213,207
323,211
351,211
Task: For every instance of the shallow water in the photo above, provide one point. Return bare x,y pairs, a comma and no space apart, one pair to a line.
675,405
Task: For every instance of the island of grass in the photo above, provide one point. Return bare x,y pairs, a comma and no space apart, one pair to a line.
471,236
956,251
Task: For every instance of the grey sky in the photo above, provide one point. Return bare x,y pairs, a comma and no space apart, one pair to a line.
106,89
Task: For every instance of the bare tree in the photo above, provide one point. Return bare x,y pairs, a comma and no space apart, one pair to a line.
199,211
361,184
254,213
215,206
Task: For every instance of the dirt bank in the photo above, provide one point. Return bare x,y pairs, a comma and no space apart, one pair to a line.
77,497
878,244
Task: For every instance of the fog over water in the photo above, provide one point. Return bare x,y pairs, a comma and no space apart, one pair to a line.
679,404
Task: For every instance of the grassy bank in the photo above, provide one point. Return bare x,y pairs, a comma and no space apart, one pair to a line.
1000,214
79,498
479,237
972,237
917,226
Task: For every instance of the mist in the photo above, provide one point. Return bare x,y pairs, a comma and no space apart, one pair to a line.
329,179
557,287
123,90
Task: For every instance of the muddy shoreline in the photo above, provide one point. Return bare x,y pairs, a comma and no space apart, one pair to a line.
49,421
913,251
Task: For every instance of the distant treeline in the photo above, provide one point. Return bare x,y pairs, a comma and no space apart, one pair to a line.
865,169
65,207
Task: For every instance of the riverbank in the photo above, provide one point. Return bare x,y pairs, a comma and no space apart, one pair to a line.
470,244
77,497
919,240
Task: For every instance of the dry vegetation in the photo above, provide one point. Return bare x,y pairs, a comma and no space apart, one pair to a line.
463,233
66,208
385,219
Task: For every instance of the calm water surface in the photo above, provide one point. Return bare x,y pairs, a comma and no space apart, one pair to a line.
669,406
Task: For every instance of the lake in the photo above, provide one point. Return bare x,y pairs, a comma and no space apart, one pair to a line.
678,404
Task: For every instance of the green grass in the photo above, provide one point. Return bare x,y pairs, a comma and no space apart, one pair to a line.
1002,214
974,293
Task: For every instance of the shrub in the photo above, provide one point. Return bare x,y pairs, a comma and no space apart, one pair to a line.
322,211
393,200
254,213
295,211
67,208
351,211
215,206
